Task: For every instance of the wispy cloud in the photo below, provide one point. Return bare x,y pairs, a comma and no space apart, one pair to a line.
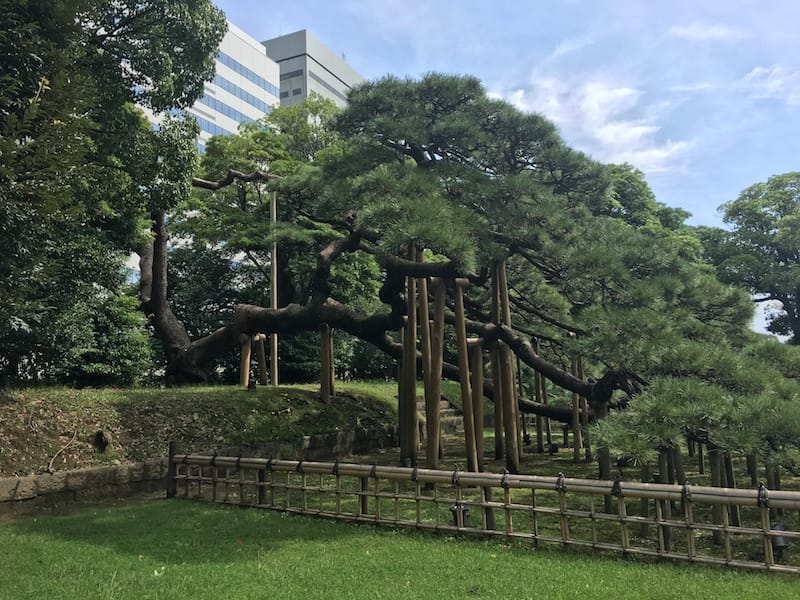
608,121
708,32
777,82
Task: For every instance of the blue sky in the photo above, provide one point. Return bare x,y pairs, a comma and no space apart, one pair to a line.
703,96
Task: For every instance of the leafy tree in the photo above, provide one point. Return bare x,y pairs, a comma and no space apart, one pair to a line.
760,253
78,164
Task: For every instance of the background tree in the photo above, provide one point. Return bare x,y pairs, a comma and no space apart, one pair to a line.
762,251
77,159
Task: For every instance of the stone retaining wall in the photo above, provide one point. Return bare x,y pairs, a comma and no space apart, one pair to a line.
19,495
27,494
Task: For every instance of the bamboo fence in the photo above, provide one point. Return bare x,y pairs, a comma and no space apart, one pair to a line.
658,520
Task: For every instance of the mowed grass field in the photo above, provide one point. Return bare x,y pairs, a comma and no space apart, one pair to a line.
183,549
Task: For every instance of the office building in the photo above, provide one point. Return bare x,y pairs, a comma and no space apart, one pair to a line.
308,66
244,88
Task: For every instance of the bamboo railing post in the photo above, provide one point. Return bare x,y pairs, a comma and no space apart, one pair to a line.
172,469
437,357
716,481
244,365
769,471
730,481
644,503
665,511
363,505
463,367
325,365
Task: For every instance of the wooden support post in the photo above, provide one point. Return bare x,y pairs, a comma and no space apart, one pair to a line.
409,432
499,419
325,365
332,363
244,365
509,414
577,438
463,367
431,401
497,380
261,355
476,383
437,357
273,351
511,390
584,407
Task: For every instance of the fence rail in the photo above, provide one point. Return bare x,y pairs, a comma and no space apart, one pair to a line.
743,528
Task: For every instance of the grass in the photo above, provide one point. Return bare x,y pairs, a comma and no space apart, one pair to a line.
38,423
180,549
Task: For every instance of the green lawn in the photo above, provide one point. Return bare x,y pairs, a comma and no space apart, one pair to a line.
179,549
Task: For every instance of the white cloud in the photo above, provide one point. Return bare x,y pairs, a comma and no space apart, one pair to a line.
777,82
705,32
607,121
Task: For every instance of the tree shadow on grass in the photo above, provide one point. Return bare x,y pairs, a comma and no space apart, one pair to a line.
179,532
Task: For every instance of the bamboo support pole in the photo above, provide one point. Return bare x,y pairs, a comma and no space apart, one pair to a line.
499,419
537,392
261,355
511,390
244,364
325,363
584,408
431,400
476,384
409,433
332,362
509,424
577,438
463,366
273,353
437,358
499,433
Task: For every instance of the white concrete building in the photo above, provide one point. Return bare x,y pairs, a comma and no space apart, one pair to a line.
308,66
245,87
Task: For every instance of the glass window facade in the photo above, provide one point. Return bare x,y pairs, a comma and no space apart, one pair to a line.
224,109
247,73
240,93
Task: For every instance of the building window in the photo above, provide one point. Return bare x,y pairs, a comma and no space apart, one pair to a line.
284,95
297,91
291,74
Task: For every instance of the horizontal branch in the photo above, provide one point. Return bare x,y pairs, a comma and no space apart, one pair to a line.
232,176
